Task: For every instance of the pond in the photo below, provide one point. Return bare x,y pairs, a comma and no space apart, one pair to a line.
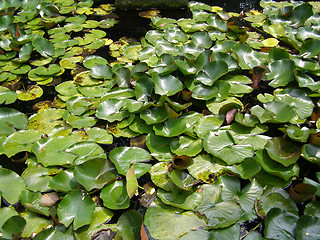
195,123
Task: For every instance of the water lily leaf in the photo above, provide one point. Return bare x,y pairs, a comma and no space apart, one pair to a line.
11,119
310,48
58,232
220,144
12,226
275,198
159,147
101,215
31,201
79,105
283,151
300,14
52,151
20,141
7,96
159,174
232,232
185,145
93,60
94,173
53,69
118,93
205,169
37,179
170,128
33,92
140,126
115,196
129,224
247,58
275,168
101,72
166,85
282,72
43,46
182,179
198,233
77,208
300,102
217,23
311,153
307,228
280,224
34,224
112,110
5,21
71,62
99,135
45,121
166,224
17,185
175,35
154,115
298,134
131,51
223,107
208,123
247,169
212,72
107,23
64,181
191,51
79,121
276,111
187,200
124,157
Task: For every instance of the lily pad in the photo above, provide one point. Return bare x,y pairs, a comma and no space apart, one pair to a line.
43,46
166,224
11,119
115,196
95,173
77,208
220,144
124,157
10,178
166,85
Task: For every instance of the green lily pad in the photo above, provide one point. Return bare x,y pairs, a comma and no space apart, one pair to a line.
101,72
31,201
166,224
43,46
45,121
33,92
71,62
220,144
170,128
77,208
17,185
208,123
307,228
20,141
311,153
182,179
112,110
159,174
283,151
185,145
129,224
159,147
37,179
124,157
166,85
175,35
280,224
93,60
11,119
281,72
34,224
7,96
310,48
99,135
205,168
275,168
58,232
94,173
217,23
154,115
101,215
115,196
64,181
131,51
